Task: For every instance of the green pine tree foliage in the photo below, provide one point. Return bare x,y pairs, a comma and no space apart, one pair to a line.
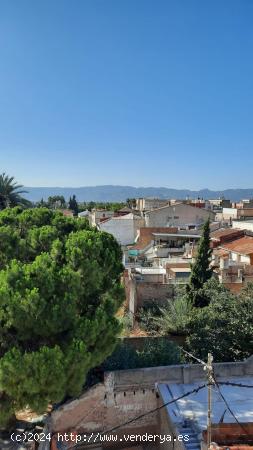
201,271
59,292
224,327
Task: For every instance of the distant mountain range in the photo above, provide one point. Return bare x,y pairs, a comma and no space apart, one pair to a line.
109,193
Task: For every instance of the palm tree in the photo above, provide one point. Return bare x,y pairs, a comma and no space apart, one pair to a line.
175,316
10,192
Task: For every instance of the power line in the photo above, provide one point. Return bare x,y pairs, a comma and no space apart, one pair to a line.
193,391
228,407
192,356
229,383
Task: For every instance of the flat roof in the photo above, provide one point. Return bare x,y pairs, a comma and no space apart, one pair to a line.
180,269
185,235
194,407
151,270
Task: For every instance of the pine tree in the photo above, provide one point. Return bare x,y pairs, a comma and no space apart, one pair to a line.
60,291
73,205
201,271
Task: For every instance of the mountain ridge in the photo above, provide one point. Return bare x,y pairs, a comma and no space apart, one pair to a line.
114,193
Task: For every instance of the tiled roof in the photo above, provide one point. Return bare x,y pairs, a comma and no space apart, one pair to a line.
217,234
242,245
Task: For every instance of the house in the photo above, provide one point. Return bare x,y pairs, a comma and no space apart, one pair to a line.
240,250
233,263
157,245
148,204
245,213
99,215
229,214
179,275
243,225
179,215
123,228
67,212
223,235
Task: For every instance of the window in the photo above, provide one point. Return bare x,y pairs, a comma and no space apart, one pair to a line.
176,217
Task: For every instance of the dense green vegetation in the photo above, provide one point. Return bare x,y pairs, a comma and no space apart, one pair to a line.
155,352
224,327
109,206
59,291
10,193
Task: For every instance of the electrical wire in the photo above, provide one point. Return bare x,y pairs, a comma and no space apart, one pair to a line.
227,405
193,391
229,383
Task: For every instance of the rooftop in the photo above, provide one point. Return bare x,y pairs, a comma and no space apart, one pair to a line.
242,245
178,235
194,407
151,270
180,269
223,232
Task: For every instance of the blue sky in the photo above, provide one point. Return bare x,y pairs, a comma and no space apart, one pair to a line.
132,92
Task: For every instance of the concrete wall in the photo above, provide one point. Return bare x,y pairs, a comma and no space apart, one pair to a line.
140,292
146,204
187,373
178,215
229,213
125,394
243,225
122,228
101,408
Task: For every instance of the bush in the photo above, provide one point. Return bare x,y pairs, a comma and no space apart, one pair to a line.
156,352
175,316
147,316
223,328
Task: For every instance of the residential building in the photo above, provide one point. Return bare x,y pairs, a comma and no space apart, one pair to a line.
148,204
245,213
99,215
233,263
123,228
157,245
243,225
229,214
179,215
223,235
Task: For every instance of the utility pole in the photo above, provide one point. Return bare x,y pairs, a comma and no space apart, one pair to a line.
208,367
209,370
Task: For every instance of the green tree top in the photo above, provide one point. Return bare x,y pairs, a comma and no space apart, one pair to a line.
59,291
10,192
201,271
73,205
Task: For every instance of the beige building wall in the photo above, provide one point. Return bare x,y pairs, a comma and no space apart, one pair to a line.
177,215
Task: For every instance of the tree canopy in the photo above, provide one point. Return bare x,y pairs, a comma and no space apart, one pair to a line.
10,192
224,327
73,205
201,271
59,291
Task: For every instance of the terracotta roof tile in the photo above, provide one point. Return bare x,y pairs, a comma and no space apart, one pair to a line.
243,245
